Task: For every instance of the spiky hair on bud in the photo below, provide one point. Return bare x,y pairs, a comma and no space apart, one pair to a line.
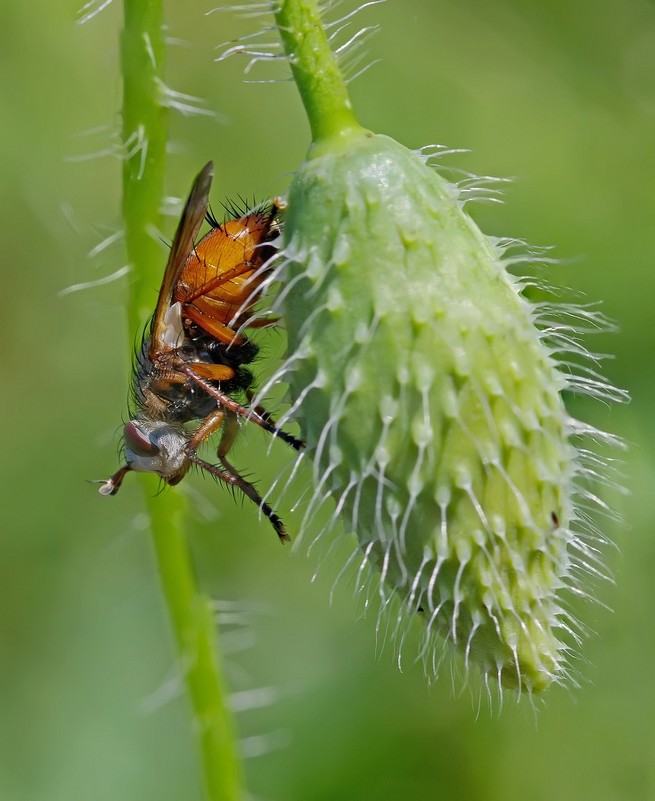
430,391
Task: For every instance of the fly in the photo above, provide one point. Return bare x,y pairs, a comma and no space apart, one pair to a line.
192,364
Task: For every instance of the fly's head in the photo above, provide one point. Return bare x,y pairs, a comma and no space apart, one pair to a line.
152,446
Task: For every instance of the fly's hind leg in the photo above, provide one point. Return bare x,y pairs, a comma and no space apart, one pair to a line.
199,372
228,435
211,423
265,415
227,473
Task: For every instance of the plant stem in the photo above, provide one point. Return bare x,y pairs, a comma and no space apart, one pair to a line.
144,138
315,70
196,635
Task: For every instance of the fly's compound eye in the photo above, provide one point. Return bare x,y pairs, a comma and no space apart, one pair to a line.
138,442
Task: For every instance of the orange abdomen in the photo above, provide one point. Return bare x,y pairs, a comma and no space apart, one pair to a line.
221,279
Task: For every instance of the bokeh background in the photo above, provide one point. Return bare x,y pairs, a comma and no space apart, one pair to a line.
560,95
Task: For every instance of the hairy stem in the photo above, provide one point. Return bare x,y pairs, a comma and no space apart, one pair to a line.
144,138
315,70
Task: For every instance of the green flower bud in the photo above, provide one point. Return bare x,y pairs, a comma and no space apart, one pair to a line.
430,404
428,392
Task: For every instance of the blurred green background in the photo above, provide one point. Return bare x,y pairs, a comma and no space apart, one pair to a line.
560,95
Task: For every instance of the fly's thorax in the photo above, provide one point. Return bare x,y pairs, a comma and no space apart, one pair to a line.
175,400
235,355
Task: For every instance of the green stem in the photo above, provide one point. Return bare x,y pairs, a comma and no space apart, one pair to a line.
195,631
315,70
144,137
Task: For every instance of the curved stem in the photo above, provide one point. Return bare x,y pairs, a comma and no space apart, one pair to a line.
196,635
144,140
315,70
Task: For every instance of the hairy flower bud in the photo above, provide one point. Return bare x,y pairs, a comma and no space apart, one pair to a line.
431,404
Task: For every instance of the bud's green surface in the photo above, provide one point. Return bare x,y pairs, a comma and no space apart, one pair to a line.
430,404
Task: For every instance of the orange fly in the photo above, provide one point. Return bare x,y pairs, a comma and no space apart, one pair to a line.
191,363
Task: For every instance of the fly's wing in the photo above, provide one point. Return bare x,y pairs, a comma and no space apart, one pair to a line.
183,244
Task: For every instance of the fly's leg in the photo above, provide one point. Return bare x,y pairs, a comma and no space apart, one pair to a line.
210,424
215,328
204,370
228,435
199,372
265,415
228,474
